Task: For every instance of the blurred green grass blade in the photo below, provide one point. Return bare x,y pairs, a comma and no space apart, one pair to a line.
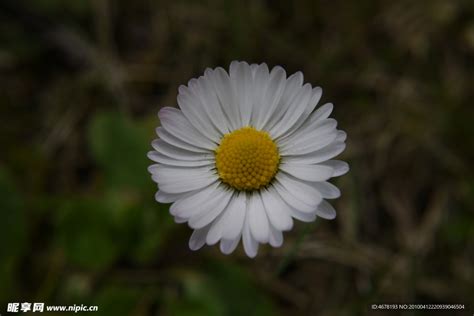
117,300
238,291
198,298
119,147
87,236
12,233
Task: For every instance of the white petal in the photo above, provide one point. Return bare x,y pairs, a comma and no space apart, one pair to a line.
304,217
164,197
253,69
250,244
258,220
180,220
158,157
228,246
261,78
322,112
176,142
276,237
178,153
292,87
311,121
205,218
340,167
323,154
327,190
291,200
301,191
198,238
225,94
195,112
315,97
242,82
295,110
204,89
310,133
341,136
309,145
197,201
182,185
235,216
224,222
180,179
272,95
278,211
174,122
308,172
326,211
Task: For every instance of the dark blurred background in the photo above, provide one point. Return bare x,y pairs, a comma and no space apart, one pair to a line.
81,83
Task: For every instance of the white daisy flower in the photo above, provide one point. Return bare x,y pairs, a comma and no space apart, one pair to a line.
246,153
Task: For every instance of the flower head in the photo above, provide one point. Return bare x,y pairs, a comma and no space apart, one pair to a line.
246,154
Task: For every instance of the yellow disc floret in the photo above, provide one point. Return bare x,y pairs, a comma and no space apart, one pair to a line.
247,159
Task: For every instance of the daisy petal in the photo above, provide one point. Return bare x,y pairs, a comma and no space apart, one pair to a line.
228,246
315,97
226,221
326,211
205,218
292,87
179,179
276,237
327,190
164,197
260,78
341,136
195,112
235,217
296,109
215,232
200,202
318,156
277,211
308,145
291,200
319,130
174,122
340,167
300,190
322,112
308,172
250,244
180,220
198,238
157,157
178,153
304,217
204,90
275,88
225,94
176,142
258,220
242,82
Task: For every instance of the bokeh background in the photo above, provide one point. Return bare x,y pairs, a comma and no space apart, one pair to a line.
81,83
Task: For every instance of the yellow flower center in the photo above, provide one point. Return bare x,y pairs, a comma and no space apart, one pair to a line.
247,159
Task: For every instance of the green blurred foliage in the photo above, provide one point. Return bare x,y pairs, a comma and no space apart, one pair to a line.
218,289
13,235
88,237
81,83
118,146
117,300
